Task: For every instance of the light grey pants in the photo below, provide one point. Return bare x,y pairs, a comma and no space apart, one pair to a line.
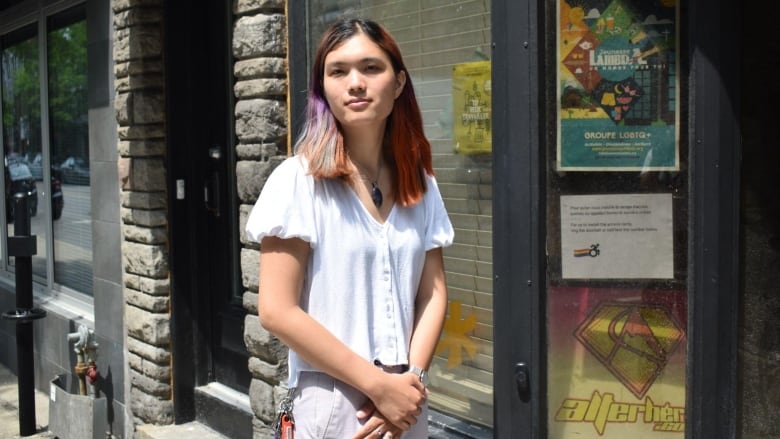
325,408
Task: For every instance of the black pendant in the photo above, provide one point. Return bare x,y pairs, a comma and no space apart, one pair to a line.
376,195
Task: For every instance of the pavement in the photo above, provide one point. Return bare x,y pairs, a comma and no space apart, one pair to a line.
9,408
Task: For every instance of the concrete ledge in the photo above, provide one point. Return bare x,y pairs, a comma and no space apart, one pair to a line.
189,430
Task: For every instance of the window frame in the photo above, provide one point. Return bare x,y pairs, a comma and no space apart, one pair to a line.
59,297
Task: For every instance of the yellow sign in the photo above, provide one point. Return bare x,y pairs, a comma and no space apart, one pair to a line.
471,106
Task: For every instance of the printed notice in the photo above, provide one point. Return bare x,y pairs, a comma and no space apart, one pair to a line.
625,236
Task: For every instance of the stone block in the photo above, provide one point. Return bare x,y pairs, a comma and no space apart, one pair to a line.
146,260
144,200
252,175
142,147
150,409
262,343
260,120
148,107
159,355
149,368
155,304
249,301
154,287
261,395
273,373
247,6
250,268
260,68
142,217
261,88
257,151
154,131
145,235
149,327
260,36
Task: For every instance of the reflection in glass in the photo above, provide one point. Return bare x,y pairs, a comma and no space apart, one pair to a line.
446,48
22,142
67,71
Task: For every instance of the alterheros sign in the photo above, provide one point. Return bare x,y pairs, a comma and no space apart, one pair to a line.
618,85
616,363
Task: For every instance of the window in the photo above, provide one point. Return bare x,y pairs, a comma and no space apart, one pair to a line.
46,147
446,47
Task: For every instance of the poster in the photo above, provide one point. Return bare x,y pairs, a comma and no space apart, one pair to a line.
617,236
618,85
471,106
616,363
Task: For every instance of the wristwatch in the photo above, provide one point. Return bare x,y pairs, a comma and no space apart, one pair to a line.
422,373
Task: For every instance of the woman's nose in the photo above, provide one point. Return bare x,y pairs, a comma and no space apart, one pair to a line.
356,81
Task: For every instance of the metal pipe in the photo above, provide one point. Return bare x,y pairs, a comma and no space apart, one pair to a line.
22,246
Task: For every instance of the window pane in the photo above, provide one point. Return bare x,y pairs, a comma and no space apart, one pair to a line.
22,142
446,47
69,140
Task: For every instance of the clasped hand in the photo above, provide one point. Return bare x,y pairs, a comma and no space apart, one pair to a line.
394,407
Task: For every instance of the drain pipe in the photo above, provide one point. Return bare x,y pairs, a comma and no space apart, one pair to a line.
85,347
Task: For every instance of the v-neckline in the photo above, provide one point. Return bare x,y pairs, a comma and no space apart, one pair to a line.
365,209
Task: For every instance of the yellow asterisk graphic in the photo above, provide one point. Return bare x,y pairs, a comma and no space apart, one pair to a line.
455,338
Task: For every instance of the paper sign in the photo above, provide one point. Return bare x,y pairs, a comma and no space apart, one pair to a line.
625,236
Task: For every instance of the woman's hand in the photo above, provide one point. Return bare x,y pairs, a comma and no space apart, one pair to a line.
399,398
376,425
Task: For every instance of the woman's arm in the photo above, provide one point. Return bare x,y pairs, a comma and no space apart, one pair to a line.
282,268
430,309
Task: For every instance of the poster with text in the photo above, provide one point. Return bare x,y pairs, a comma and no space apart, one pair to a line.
616,363
618,85
617,236
471,106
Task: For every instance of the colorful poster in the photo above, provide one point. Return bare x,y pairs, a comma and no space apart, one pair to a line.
617,236
618,85
471,106
616,363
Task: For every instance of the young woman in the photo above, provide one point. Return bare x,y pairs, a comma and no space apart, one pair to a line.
351,230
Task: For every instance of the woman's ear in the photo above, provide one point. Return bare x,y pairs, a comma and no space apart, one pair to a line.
400,81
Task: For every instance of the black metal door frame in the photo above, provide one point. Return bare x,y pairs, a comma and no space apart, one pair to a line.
519,167
207,323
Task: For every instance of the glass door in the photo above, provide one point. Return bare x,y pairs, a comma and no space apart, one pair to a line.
617,222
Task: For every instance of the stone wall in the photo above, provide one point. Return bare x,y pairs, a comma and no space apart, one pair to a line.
140,103
260,50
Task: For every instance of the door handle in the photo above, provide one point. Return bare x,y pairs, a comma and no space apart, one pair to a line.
211,188
523,381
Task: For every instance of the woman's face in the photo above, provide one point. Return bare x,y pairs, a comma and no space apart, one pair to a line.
360,83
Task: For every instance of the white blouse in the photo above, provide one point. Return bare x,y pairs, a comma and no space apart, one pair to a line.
362,276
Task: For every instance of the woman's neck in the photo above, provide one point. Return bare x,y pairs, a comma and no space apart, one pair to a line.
365,151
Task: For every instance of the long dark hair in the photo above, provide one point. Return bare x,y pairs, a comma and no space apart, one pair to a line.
321,140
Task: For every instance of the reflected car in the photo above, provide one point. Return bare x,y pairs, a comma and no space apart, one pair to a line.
74,170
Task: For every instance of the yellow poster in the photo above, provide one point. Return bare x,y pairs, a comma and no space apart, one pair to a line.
471,103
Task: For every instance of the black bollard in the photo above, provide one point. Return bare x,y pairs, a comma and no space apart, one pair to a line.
23,246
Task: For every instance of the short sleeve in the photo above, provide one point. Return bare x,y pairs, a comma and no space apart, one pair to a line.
285,206
439,232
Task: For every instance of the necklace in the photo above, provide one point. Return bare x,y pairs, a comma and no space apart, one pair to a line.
376,193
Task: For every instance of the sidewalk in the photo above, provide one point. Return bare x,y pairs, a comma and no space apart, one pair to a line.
9,408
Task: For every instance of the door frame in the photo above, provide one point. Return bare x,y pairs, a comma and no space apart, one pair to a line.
519,190
518,220
193,58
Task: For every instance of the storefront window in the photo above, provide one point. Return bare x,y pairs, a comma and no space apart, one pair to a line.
446,47
22,139
617,221
50,163
69,146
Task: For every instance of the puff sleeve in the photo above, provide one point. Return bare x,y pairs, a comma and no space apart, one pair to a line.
438,232
285,208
